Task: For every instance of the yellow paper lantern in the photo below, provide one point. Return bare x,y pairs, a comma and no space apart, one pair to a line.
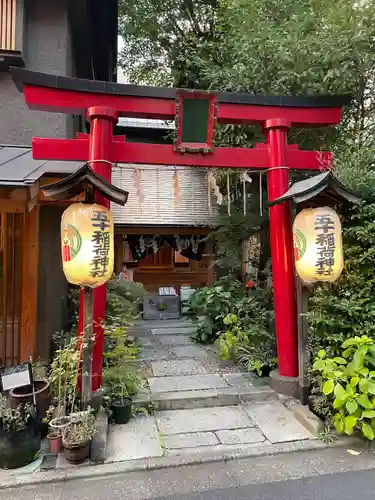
318,245
87,244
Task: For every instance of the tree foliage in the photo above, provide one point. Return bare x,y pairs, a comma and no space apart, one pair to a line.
304,47
161,38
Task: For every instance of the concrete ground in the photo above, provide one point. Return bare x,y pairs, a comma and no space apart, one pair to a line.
206,412
204,407
329,474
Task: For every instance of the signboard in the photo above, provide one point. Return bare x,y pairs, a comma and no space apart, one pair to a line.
195,122
15,376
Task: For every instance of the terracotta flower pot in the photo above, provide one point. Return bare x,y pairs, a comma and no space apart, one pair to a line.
54,443
76,453
23,395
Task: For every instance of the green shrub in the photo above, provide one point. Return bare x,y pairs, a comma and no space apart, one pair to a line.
249,342
240,321
348,383
211,304
346,308
123,299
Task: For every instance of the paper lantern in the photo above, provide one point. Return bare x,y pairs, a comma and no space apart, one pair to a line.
87,244
318,245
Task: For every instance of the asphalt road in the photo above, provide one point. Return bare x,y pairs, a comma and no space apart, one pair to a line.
344,486
327,474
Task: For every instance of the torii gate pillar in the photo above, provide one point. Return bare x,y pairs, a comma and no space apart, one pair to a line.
102,120
281,236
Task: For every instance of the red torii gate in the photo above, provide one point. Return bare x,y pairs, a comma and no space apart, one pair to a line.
104,102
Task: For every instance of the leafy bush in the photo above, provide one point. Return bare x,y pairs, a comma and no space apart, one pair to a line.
122,381
240,321
15,419
211,304
348,383
346,308
123,299
249,342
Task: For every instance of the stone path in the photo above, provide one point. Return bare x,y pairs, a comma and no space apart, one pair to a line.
202,405
182,374
206,412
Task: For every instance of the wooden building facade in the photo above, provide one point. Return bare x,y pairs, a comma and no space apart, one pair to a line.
76,38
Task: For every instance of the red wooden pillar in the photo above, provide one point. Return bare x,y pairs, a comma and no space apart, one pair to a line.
102,121
281,237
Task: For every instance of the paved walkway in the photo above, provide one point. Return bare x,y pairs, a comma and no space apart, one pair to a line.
206,412
203,406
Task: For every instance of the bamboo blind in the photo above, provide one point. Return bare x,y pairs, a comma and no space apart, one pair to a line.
8,25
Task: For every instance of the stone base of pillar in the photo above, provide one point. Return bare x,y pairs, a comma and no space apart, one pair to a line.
284,385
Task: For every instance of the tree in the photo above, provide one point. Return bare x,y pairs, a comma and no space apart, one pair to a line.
162,36
304,47
289,47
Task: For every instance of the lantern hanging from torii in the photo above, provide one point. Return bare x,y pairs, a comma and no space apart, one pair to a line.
87,244
87,249
318,248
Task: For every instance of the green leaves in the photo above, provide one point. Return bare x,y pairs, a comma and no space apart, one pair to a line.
340,361
368,414
328,387
349,424
364,401
349,386
367,431
351,406
340,392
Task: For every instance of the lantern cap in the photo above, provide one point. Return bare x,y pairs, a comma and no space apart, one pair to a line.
79,181
319,189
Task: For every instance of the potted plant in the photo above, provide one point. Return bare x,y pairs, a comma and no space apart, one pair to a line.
38,392
121,406
56,420
122,383
19,435
63,376
77,438
54,439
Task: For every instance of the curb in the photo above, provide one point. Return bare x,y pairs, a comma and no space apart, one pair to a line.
305,417
172,461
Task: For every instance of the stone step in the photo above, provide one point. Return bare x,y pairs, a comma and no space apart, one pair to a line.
176,330
205,398
167,323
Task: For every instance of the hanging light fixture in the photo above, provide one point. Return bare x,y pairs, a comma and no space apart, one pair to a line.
318,245
87,244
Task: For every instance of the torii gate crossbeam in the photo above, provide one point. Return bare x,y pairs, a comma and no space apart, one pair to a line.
103,103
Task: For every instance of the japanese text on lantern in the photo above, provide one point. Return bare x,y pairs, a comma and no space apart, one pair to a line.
101,244
325,244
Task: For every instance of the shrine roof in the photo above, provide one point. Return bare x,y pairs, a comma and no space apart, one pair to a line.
23,76
322,188
18,168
